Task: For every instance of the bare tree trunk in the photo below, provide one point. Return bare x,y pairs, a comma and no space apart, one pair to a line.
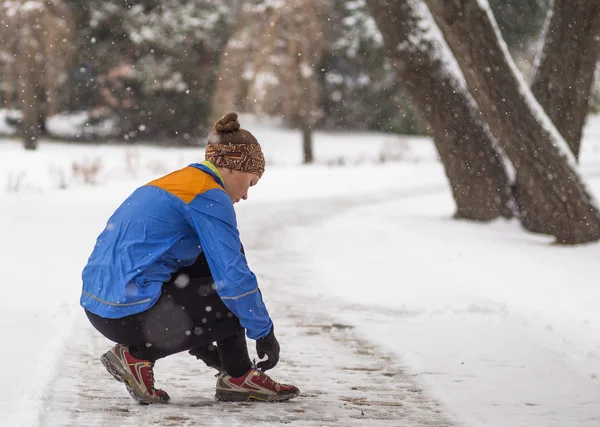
429,74
551,196
563,80
58,42
307,144
29,48
246,46
302,24
30,106
39,37
7,70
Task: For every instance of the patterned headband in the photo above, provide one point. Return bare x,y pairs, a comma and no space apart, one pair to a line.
243,157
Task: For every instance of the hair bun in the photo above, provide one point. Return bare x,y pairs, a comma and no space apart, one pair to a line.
229,123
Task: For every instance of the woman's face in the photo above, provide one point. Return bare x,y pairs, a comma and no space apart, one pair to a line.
237,184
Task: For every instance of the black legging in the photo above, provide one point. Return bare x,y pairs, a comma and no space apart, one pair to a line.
189,315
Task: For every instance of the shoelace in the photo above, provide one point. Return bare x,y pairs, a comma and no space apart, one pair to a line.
268,378
151,377
262,374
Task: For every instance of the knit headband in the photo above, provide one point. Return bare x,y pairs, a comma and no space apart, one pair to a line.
243,157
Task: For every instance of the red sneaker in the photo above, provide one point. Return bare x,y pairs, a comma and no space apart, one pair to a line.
137,374
253,385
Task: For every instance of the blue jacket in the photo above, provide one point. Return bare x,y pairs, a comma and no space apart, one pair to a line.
161,227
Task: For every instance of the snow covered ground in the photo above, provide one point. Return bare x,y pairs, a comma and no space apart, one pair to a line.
389,312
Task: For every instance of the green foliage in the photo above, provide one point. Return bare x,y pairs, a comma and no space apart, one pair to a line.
360,88
595,93
150,64
520,21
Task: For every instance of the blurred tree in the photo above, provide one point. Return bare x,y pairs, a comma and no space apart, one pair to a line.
360,89
595,93
151,64
7,78
356,85
359,85
521,23
270,65
302,23
231,86
426,68
564,78
550,193
37,38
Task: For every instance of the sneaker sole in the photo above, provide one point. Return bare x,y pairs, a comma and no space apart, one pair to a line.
232,396
117,372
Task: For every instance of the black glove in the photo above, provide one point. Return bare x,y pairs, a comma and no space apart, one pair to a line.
267,346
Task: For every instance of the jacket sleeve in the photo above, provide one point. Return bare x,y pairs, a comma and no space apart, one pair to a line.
212,216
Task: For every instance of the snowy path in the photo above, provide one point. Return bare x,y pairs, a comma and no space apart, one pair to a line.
478,348
360,386
465,340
